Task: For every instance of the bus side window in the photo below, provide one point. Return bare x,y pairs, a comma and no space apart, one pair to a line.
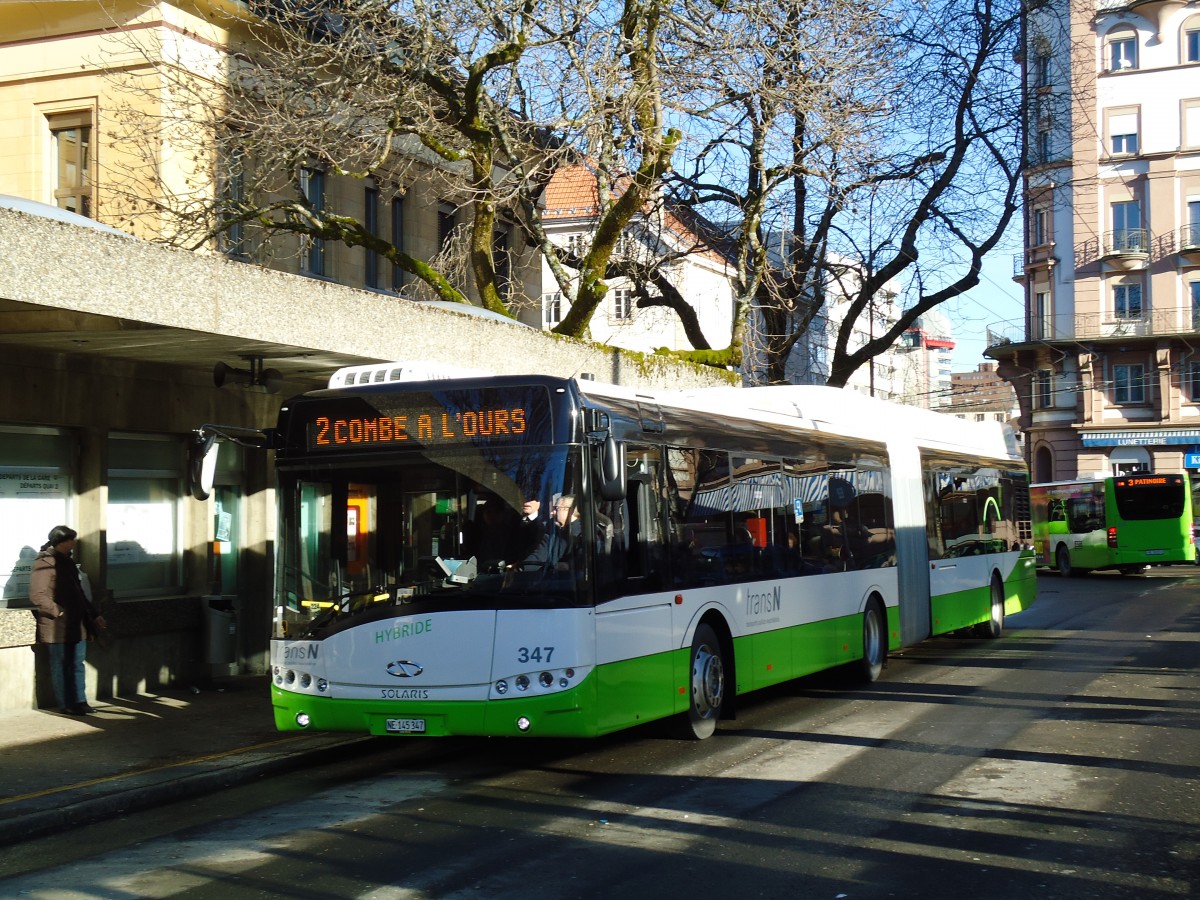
1082,516
630,551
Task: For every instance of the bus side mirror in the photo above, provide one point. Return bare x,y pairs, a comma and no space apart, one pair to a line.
202,464
612,484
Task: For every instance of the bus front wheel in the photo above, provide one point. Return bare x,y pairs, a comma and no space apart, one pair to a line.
706,684
1063,558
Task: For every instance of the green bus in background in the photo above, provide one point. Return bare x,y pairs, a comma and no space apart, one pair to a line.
1124,522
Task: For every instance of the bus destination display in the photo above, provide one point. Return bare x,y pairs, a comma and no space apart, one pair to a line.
1149,480
395,422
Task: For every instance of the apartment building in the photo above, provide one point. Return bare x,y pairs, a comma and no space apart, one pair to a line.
697,270
1107,360
982,395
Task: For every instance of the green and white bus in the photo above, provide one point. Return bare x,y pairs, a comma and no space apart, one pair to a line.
710,543
1124,522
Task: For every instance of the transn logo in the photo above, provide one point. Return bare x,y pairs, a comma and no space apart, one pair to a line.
300,652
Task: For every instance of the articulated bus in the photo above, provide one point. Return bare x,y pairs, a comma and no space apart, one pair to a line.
557,557
1123,522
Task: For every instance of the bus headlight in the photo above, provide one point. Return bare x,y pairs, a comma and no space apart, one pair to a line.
546,680
322,685
523,724
522,682
501,686
303,719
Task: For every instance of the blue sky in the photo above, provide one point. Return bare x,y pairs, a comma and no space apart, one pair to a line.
997,299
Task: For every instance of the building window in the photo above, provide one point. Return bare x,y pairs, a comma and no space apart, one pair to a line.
1043,143
1192,386
1041,227
399,276
627,247
552,309
371,224
1127,226
1123,132
234,239
1041,315
622,308
1041,70
1122,51
144,487
1191,123
577,245
312,185
1194,291
1129,384
1127,301
71,134
1190,236
1043,389
35,495
1191,41
445,223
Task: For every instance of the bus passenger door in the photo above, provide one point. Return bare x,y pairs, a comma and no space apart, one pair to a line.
633,615
958,551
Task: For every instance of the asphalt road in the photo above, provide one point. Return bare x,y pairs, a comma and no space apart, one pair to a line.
1061,761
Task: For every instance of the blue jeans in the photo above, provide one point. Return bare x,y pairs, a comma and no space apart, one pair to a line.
66,673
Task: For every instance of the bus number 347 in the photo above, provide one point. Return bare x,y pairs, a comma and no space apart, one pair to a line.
534,654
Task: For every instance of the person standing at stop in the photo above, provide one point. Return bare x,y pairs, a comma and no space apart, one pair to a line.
64,616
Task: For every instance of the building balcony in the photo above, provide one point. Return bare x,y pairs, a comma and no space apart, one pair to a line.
1125,249
1189,243
1156,323
1040,256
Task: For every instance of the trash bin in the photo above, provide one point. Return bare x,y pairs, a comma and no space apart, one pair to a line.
221,619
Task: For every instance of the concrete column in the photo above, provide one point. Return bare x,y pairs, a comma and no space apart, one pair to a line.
1168,397
91,502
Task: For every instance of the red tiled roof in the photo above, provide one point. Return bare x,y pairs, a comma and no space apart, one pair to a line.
572,192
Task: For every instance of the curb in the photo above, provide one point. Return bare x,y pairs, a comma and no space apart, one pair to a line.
73,806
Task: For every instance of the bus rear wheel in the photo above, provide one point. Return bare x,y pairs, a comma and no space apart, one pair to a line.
994,626
706,683
874,643
1063,559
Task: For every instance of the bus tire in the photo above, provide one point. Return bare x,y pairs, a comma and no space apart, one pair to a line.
706,684
994,626
1063,559
874,633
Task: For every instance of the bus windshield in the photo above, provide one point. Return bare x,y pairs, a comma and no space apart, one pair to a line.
1143,498
451,528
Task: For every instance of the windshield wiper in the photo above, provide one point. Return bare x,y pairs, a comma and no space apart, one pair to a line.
346,604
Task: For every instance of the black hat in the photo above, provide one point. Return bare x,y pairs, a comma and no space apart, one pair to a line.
60,533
